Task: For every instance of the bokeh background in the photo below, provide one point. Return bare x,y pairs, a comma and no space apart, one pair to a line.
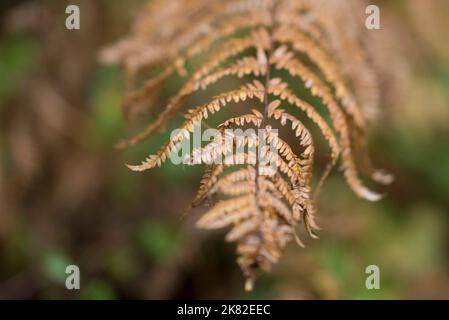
67,198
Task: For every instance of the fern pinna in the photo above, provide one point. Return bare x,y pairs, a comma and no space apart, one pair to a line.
316,45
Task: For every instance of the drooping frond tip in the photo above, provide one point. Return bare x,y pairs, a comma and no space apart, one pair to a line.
250,41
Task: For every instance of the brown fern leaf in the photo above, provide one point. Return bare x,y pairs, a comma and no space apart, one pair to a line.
255,42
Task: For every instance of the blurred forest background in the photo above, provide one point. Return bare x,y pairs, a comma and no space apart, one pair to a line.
67,198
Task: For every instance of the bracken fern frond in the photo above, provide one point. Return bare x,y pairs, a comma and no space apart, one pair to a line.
309,48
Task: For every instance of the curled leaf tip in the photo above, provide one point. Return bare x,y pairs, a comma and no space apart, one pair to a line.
371,195
136,168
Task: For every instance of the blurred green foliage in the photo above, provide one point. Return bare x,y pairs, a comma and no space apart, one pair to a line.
17,56
105,98
99,290
54,264
157,240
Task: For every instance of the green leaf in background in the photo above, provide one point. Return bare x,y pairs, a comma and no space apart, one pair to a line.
120,264
16,248
157,240
334,259
386,292
17,56
99,290
105,100
441,73
54,264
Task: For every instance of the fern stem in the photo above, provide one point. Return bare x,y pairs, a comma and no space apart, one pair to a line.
266,102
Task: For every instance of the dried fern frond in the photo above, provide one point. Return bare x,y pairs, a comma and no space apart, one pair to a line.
252,40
